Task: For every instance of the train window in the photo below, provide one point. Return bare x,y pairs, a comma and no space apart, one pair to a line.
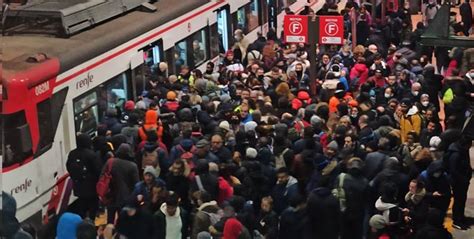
44,123
49,112
252,15
153,55
199,47
240,20
86,113
215,40
113,95
223,29
85,102
246,18
264,11
18,144
180,55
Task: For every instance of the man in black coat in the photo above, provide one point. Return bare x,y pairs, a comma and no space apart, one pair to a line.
323,214
204,181
466,16
356,190
460,172
124,177
84,168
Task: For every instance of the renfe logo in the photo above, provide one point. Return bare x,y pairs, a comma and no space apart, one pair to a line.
85,82
42,88
22,188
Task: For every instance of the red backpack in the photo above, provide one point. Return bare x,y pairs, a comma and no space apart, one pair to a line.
103,185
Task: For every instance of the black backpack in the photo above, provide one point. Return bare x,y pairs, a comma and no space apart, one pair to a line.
77,169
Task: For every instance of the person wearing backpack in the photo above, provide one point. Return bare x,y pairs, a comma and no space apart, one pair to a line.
84,166
124,176
204,181
208,213
185,149
356,189
153,155
151,123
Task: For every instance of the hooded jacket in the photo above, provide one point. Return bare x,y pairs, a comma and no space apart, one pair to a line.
10,227
361,71
437,184
323,213
151,122
179,222
202,221
282,193
67,226
84,181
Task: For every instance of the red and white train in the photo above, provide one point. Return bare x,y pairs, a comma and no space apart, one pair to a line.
43,103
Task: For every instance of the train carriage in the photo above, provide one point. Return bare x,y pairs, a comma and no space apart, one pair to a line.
52,87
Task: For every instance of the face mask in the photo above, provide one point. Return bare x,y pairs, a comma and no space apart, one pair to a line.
354,115
387,95
425,103
471,75
238,38
415,93
437,174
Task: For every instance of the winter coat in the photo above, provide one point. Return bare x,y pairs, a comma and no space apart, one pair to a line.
151,122
323,213
374,163
209,182
283,192
84,182
410,122
356,188
418,206
161,222
139,226
268,223
459,167
360,71
10,227
202,218
124,177
433,184
293,223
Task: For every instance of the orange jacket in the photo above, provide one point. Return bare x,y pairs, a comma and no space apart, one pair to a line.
151,122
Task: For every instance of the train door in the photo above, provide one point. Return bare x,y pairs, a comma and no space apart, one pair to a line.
223,28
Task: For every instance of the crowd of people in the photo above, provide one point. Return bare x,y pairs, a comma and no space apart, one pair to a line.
254,148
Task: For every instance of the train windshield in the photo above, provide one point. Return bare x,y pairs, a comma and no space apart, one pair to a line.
17,138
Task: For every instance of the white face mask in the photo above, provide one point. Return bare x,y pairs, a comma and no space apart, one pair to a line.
387,95
415,93
425,103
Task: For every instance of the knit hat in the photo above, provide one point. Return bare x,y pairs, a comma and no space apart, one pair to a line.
141,105
435,141
315,120
224,125
232,229
171,95
333,145
124,151
202,143
213,167
378,222
129,105
250,126
251,153
149,169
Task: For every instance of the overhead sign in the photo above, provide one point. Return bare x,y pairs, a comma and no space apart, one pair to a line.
331,30
295,29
